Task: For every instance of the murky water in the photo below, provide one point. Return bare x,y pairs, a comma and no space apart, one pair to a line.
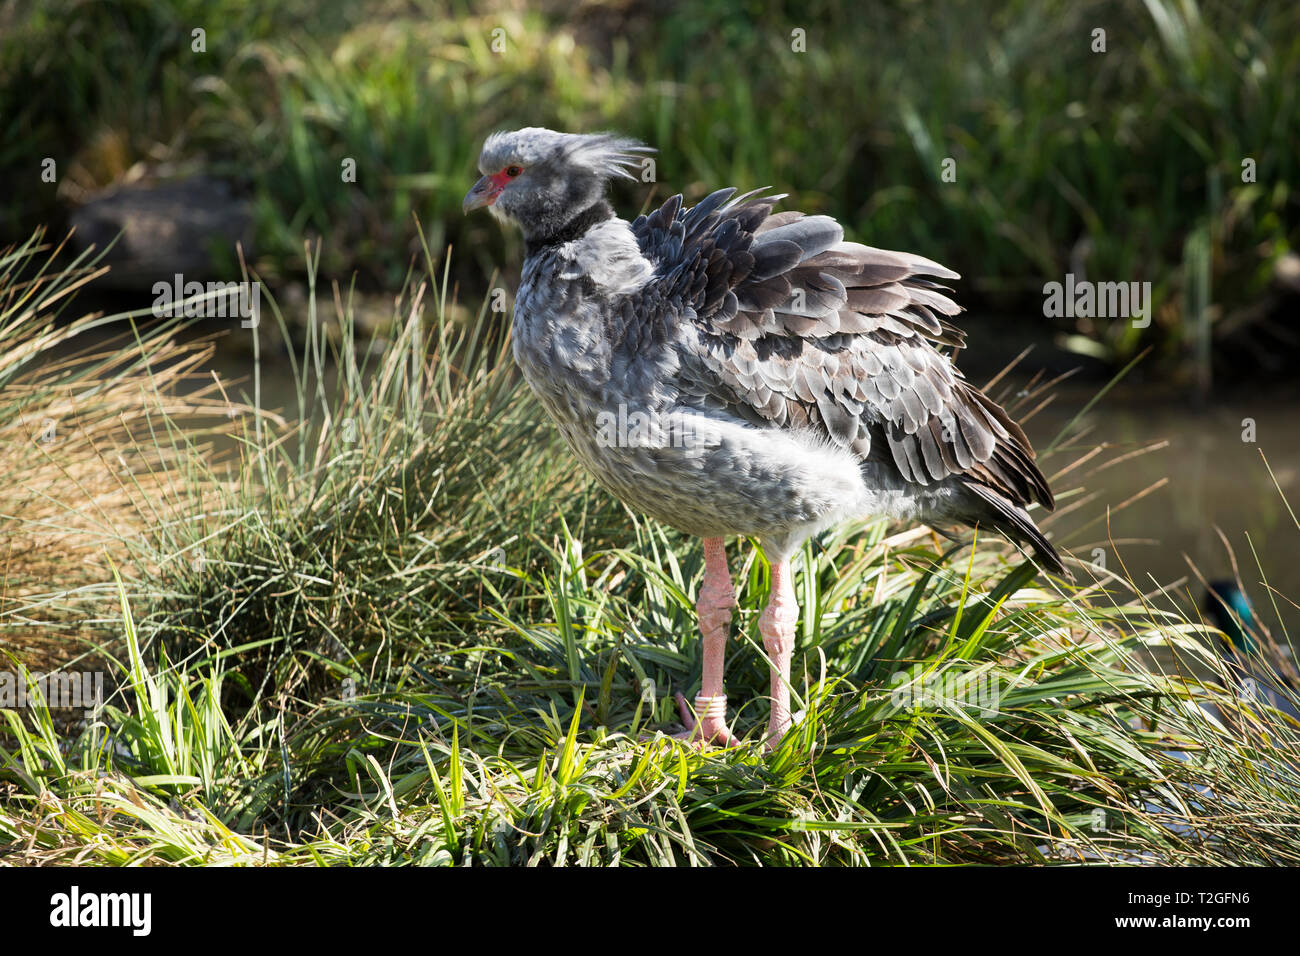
1213,471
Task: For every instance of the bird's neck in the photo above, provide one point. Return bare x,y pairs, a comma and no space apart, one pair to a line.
598,212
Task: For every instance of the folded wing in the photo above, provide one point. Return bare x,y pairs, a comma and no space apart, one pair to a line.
799,328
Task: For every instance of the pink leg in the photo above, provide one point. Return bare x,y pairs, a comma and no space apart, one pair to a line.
777,625
716,599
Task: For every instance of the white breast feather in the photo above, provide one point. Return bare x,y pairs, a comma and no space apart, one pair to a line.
609,256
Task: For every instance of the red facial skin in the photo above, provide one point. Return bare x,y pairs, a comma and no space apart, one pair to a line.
499,181
487,189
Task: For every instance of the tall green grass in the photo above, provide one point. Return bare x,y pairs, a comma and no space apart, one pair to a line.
396,625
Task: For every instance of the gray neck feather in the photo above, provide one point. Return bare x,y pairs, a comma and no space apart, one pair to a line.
575,228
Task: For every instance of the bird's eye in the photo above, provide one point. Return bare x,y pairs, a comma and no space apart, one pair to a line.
513,171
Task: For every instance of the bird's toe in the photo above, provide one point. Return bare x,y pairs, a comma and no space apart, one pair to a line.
709,729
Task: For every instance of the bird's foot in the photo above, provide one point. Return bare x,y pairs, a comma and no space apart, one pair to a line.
777,727
711,727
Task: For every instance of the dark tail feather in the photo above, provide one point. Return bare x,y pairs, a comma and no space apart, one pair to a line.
1014,522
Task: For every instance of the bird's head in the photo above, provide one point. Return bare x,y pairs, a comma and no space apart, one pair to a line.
542,180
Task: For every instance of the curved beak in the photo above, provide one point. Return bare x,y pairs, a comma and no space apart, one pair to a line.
484,193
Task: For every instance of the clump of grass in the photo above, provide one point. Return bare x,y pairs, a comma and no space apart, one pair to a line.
96,422
402,628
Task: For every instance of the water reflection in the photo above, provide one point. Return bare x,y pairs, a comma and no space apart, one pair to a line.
1209,473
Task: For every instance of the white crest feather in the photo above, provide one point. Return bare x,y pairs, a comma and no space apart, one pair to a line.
607,153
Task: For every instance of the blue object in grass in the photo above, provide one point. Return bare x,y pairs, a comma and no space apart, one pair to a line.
1231,612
